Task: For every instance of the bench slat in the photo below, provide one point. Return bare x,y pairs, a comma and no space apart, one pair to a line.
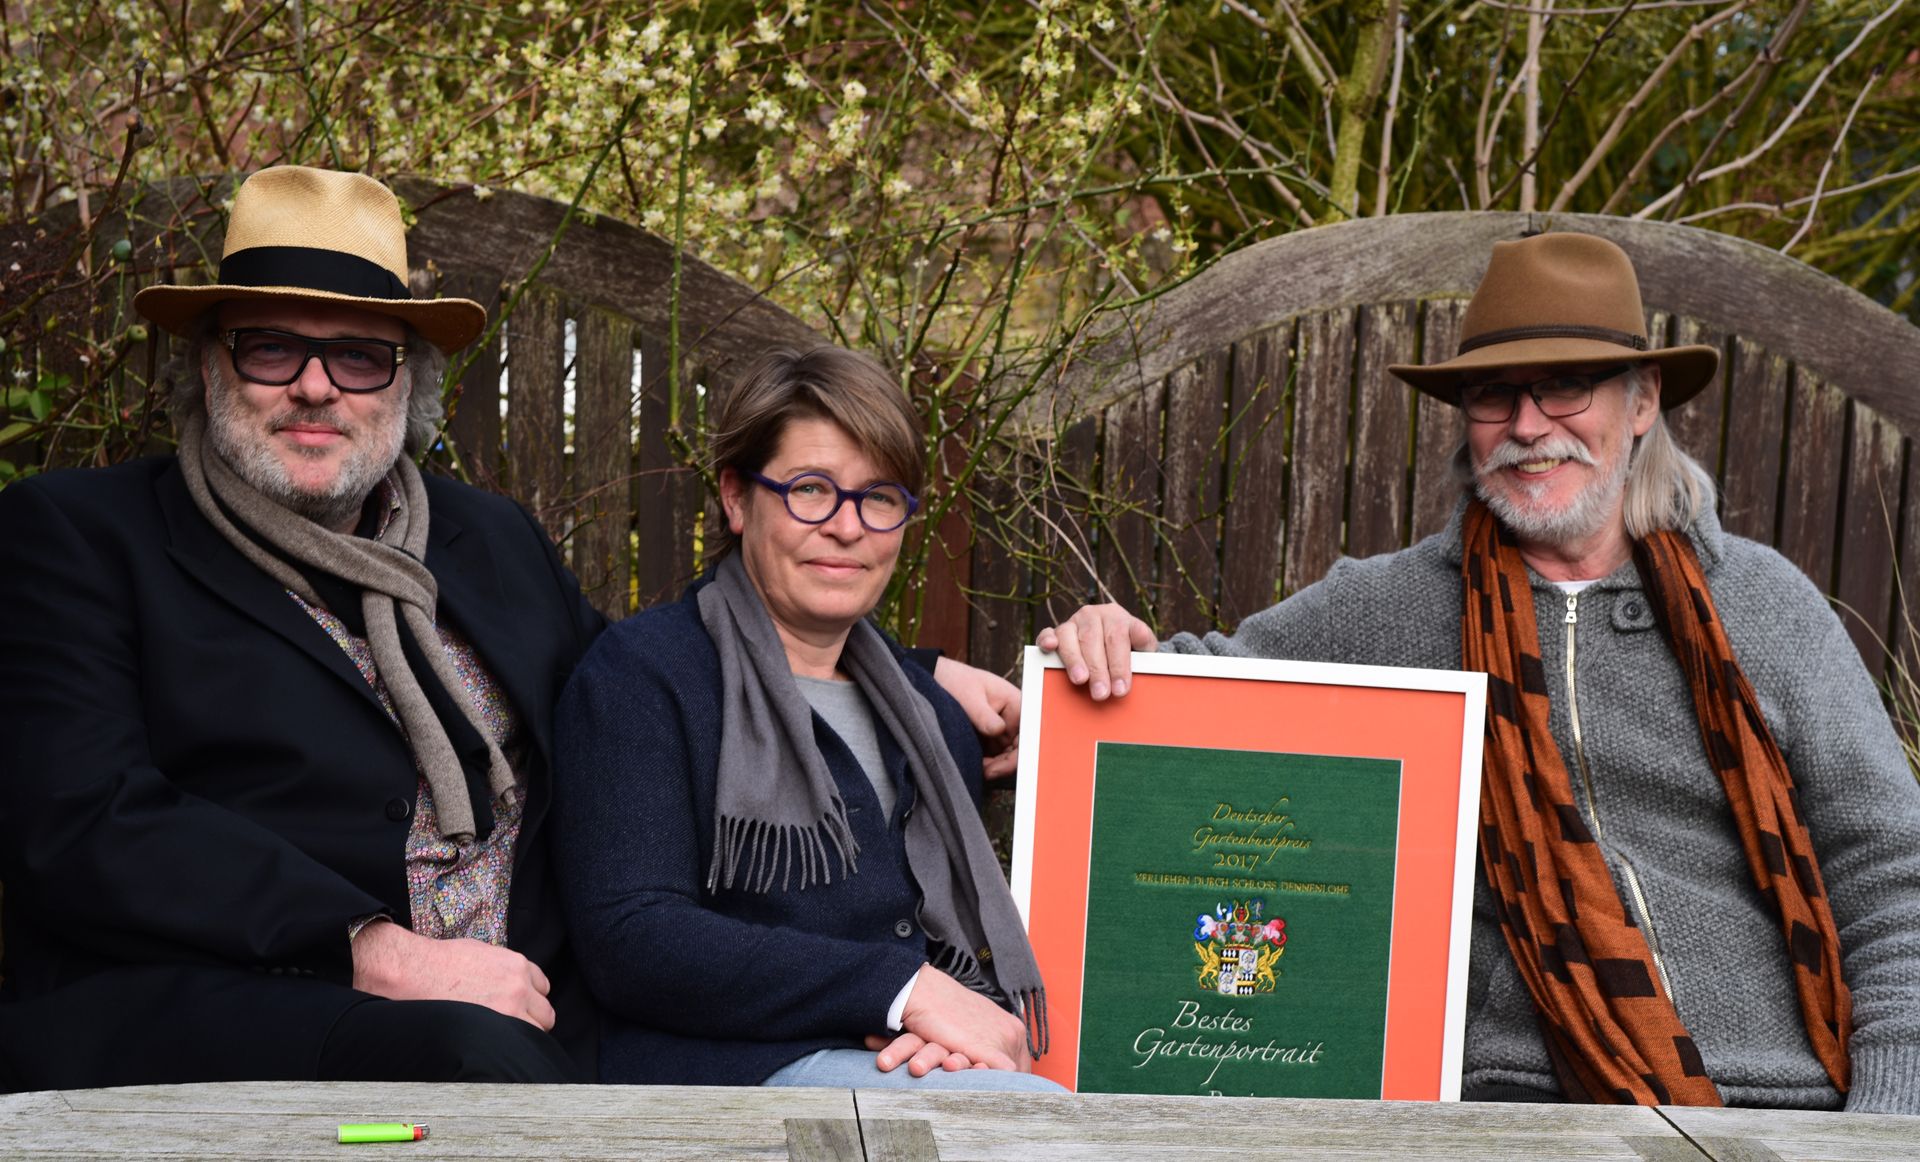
1189,564
1256,476
603,459
1696,423
1315,513
1810,500
1438,426
1871,515
1382,431
1758,398
536,420
1132,471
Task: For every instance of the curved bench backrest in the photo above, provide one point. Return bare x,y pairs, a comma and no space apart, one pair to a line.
1248,418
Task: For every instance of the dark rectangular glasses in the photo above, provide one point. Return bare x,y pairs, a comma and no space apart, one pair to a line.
277,358
1558,396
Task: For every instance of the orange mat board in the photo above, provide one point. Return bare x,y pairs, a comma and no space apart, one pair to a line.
1430,720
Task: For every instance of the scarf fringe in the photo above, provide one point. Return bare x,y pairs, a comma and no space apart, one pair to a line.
1033,1013
769,850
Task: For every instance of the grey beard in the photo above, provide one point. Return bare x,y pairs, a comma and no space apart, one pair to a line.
254,460
1588,512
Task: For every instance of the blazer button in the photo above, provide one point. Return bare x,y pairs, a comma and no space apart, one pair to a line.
398,809
903,929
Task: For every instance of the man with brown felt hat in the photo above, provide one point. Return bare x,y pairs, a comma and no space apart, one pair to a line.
277,712
1699,879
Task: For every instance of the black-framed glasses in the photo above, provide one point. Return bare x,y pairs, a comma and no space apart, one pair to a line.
1558,396
813,498
277,358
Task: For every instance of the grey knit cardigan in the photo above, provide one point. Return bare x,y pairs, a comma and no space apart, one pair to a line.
1661,809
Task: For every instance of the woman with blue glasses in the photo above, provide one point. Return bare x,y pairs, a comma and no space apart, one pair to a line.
770,846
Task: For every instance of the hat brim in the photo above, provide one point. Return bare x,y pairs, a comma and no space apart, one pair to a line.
448,324
1683,370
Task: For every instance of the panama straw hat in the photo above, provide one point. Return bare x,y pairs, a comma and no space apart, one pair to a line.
1557,300
318,236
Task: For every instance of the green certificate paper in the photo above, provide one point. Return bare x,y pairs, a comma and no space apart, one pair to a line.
1239,922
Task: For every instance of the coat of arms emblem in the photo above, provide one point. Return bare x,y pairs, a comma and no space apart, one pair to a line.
1239,951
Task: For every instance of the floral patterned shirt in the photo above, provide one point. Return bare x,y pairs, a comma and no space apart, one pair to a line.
454,889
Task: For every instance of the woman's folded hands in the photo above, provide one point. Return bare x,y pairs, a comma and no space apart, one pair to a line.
947,1025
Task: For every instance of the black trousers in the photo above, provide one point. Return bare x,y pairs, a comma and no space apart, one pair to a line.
169,1024
383,1040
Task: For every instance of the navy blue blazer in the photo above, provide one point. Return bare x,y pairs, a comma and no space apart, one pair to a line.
720,988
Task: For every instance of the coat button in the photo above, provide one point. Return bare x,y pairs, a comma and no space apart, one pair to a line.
1633,609
903,929
398,809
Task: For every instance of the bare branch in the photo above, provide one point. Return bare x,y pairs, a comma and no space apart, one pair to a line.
1607,139
1386,126
1813,207
1772,208
1566,91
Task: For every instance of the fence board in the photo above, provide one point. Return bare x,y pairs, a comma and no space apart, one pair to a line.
1382,431
1189,564
1000,574
1438,427
1810,505
475,423
662,488
1068,582
944,611
603,459
1871,514
1757,393
1132,472
1906,649
1696,424
536,417
1315,513
1256,477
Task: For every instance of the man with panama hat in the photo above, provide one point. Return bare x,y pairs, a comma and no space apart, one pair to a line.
274,771
1699,876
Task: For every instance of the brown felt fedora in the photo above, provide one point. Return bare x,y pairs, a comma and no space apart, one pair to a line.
1558,300
319,236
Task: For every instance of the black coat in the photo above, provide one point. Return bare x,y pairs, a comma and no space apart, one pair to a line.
199,790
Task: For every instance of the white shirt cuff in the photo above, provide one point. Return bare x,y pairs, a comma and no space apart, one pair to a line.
898,1008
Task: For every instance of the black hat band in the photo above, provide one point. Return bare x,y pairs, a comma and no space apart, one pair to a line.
1553,331
311,268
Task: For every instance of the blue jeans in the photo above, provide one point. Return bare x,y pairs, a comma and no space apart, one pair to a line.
854,1069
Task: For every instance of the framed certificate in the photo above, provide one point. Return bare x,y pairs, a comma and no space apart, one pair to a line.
1251,877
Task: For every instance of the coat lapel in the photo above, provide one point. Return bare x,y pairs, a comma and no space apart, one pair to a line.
199,549
470,595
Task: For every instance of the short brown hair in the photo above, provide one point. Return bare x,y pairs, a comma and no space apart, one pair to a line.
828,383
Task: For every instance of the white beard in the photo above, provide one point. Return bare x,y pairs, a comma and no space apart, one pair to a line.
1522,507
245,446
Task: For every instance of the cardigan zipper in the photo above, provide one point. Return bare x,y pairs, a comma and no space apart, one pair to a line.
1593,809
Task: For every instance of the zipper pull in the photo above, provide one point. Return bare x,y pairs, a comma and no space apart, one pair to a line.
1573,607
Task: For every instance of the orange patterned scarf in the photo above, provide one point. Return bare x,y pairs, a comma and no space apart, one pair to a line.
1610,1027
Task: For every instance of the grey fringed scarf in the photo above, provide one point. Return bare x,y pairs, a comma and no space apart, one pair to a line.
777,810
390,577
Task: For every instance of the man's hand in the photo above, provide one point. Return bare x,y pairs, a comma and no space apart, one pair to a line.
390,961
1093,645
993,706
947,1024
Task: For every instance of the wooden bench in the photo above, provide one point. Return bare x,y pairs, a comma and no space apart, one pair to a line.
1246,434
293,1120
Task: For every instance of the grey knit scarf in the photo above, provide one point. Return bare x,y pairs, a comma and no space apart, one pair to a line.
395,590
777,811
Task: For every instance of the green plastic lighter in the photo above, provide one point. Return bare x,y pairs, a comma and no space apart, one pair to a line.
383,1132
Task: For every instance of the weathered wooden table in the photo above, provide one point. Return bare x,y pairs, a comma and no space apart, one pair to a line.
297,1121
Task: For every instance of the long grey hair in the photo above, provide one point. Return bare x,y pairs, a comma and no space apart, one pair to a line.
1666,488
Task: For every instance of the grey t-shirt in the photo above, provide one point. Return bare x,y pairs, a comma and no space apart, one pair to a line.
844,706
